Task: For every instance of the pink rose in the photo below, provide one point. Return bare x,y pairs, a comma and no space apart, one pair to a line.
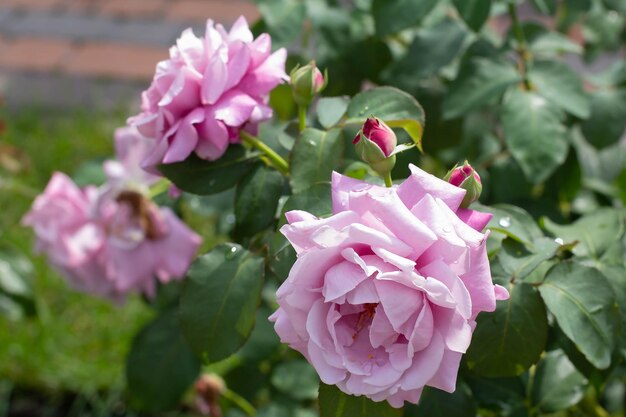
207,91
108,242
131,148
384,295
58,216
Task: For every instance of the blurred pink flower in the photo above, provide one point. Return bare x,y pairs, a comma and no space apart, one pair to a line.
207,91
131,148
383,297
108,242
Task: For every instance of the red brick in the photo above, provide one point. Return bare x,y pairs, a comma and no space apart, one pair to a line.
34,54
132,8
115,61
221,11
28,5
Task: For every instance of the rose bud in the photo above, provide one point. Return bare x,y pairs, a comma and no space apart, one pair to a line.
307,82
375,144
465,177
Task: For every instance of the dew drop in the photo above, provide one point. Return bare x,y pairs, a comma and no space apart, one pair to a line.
559,241
505,222
447,229
231,253
230,218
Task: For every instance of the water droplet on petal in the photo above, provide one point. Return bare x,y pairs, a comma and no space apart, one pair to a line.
446,229
559,241
505,222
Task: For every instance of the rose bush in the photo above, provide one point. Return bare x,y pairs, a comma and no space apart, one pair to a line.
384,295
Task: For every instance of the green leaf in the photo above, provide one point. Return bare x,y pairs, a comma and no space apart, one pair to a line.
519,261
263,340
583,303
607,122
219,301
596,232
440,43
481,81
15,274
393,106
391,16
316,199
557,384
437,403
547,43
558,83
297,379
160,366
314,156
511,339
616,275
513,221
334,403
256,200
330,110
283,20
474,12
534,134
505,394
202,177
281,256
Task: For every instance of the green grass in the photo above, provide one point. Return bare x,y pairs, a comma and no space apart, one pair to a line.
75,342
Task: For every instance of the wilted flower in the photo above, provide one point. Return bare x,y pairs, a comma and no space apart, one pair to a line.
307,82
383,297
467,178
208,91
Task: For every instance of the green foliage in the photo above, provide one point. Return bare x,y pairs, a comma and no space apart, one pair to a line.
196,176
160,364
334,403
219,301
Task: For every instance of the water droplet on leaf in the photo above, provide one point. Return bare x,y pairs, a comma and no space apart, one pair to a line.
505,222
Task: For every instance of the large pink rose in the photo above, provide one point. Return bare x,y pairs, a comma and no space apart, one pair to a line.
207,91
109,242
384,295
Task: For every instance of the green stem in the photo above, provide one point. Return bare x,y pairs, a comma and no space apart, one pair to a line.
302,117
388,180
159,188
589,406
239,401
277,161
522,46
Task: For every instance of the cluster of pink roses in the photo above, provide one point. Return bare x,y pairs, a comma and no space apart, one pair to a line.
111,240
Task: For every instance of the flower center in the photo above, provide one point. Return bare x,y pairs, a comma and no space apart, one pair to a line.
365,318
141,212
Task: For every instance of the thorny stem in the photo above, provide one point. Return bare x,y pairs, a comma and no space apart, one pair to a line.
522,46
277,161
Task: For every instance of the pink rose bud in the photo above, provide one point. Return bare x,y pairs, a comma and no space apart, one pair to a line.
466,178
375,144
307,82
